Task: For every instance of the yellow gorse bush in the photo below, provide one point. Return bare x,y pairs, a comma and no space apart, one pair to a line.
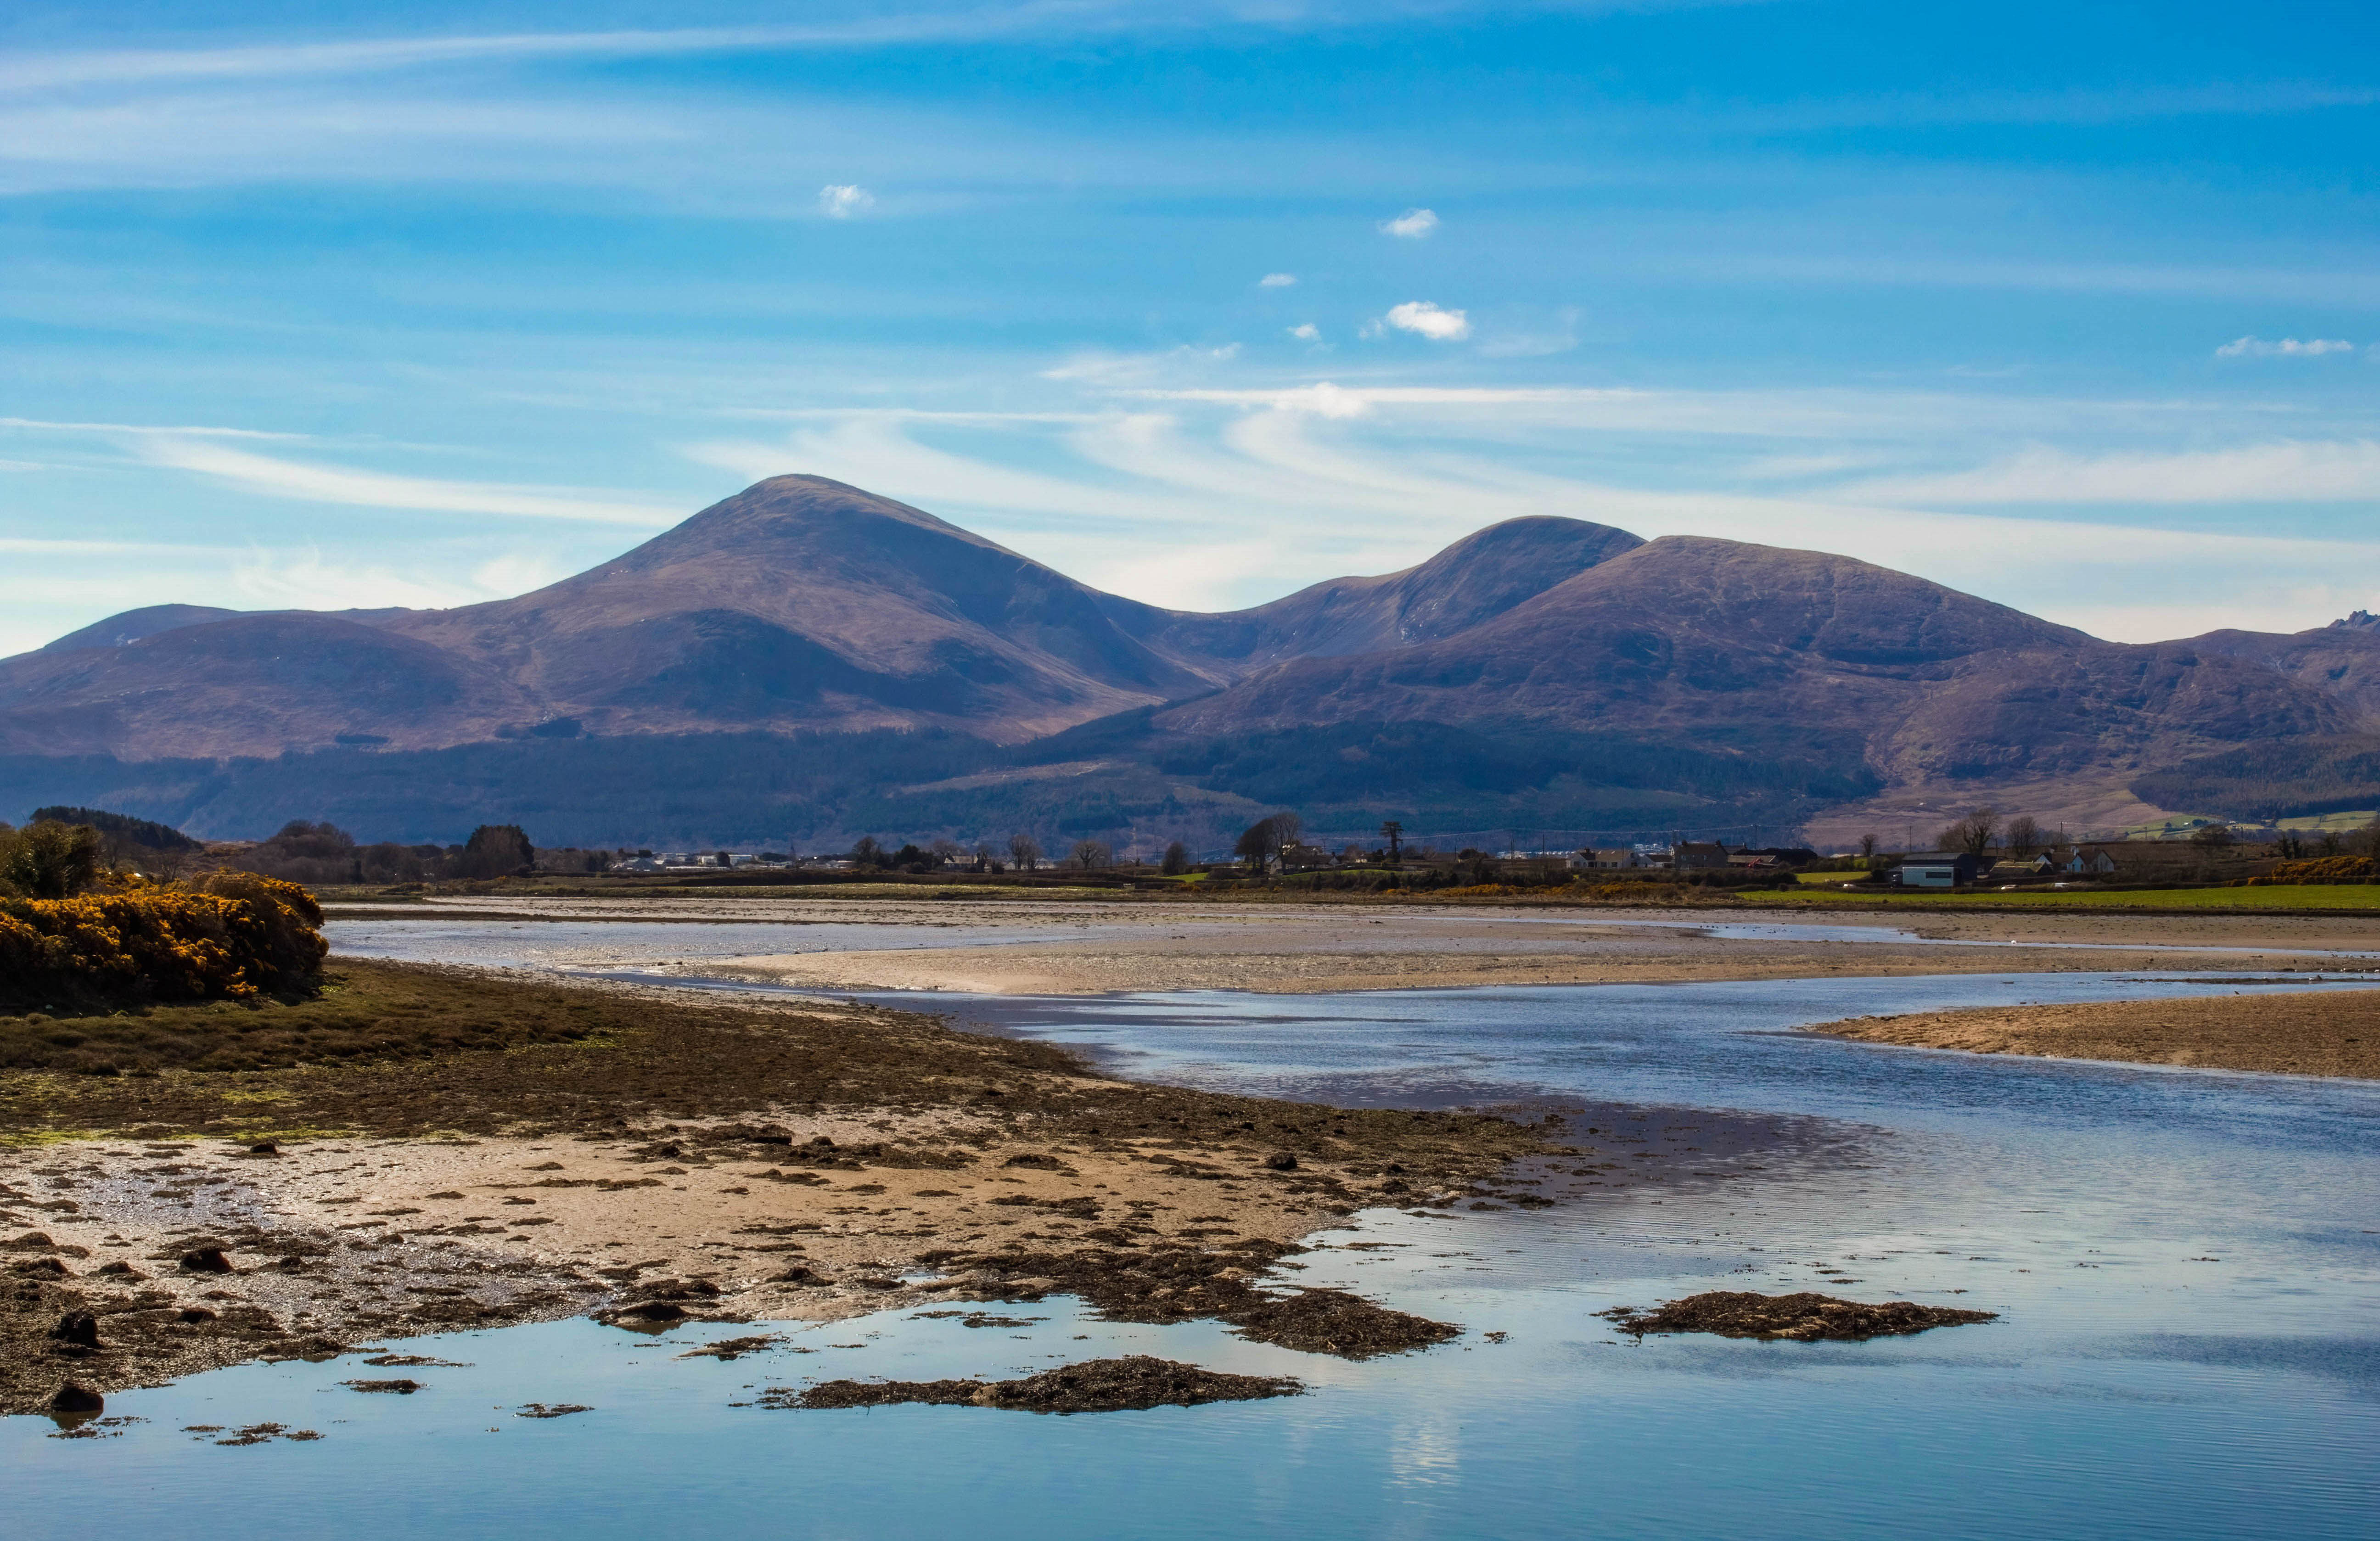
231,936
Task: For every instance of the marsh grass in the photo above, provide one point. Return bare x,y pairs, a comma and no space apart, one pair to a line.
369,1012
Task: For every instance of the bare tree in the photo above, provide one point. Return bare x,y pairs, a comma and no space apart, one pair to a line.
2023,835
1288,830
1974,834
947,852
1177,859
1090,855
1259,843
1867,847
986,858
1027,854
2212,837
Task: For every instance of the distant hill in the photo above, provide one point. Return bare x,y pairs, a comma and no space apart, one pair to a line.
808,660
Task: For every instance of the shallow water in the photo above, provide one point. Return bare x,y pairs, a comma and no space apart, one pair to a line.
2188,1265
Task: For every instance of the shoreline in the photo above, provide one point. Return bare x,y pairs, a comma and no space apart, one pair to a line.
1276,949
703,1159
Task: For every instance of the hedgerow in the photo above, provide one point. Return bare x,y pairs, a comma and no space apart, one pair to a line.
234,935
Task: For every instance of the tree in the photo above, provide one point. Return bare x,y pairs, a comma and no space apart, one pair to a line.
494,851
947,852
866,852
1026,852
1972,834
1177,859
1288,829
1259,843
2212,837
1867,848
1394,833
49,861
2023,835
1090,855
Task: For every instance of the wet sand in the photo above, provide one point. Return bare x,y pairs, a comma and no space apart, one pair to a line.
727,1161
2335,1033
1321,947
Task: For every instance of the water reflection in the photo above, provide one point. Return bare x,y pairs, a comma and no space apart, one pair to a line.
2187,1265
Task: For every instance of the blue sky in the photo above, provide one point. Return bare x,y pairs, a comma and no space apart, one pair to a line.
2075,307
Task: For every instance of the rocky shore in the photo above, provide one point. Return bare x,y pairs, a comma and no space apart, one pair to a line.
647,1157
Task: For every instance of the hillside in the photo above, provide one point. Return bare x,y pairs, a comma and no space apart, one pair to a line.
719,681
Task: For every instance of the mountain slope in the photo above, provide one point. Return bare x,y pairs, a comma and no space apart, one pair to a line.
1540,672
1723,643
1475,580
800,604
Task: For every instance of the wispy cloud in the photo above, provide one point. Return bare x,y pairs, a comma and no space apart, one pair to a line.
1326,477
842,200
1133,368
307,580
2285,347
1307,332
184,431
1424,319
310,482
1411,225
2287,472
1276,280
30,71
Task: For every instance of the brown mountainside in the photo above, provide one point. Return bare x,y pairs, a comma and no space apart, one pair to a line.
803,605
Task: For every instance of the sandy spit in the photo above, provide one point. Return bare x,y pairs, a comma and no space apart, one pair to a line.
2333,1032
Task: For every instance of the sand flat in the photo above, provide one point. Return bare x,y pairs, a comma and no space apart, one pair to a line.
2332,1033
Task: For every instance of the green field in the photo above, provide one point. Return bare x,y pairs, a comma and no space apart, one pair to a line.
2333,896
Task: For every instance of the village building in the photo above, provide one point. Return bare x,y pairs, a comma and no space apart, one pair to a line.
1935,869
1608,859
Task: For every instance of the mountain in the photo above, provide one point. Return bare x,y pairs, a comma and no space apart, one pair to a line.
799,605
808,660
134,624
1723,643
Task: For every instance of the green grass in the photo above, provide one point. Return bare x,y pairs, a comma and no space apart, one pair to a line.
2278,898
2339,822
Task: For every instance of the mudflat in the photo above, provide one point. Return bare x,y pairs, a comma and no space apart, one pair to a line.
2332,1033
1098,945
297,1178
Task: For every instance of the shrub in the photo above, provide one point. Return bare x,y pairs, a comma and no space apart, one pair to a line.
232,936
48,860
2322,869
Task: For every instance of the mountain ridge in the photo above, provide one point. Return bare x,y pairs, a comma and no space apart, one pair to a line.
1543,666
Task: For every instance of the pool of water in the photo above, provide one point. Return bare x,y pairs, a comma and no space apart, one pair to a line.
2187,1265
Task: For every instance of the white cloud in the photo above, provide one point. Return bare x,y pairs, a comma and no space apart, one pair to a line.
335,484
842,200
1307,332
1421,316
1126,369
1411,225
2287,347
1323,400
1277,281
